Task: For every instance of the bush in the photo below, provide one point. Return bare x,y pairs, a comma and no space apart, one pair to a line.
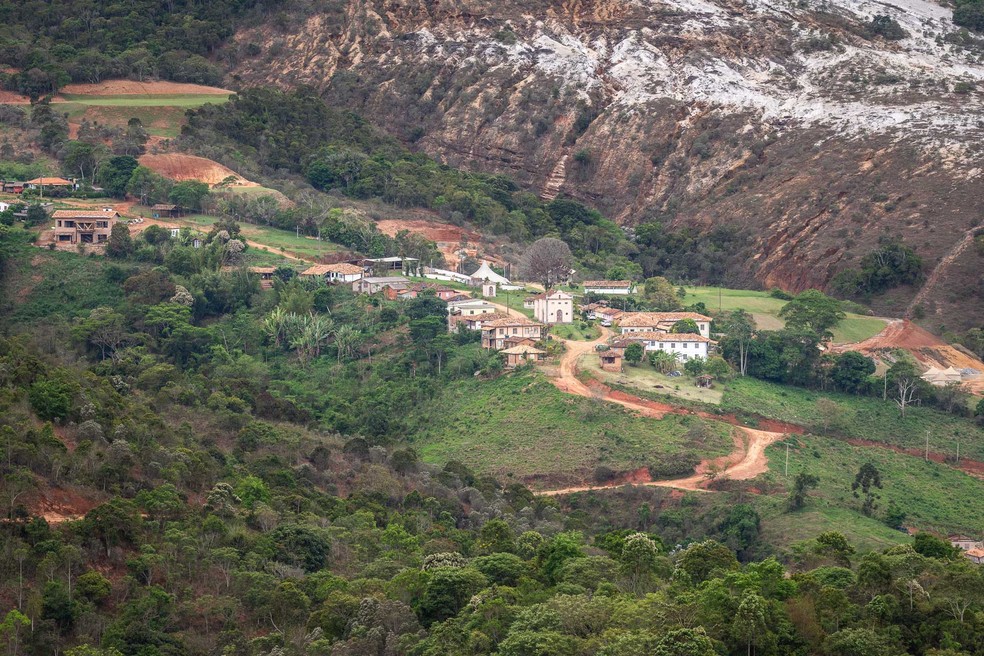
780,294
51,399
886,27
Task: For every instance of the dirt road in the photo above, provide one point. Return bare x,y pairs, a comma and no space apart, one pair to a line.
747,461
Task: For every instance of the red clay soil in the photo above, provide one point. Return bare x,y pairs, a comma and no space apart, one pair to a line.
189,167
132,87
447,237
927,348
62,504
13,98
973,467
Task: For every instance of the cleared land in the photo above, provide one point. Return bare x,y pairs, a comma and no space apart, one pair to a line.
765,309
933,495
857,417
644,379
522,426
178,166
133,87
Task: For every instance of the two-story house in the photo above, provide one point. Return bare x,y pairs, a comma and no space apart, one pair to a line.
83,226
685,346
496,333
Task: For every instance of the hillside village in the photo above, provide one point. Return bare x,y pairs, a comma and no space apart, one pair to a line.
470,329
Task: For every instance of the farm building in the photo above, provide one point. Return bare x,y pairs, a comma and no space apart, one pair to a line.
374,284
519,355
341,272
162,210
394,263
55,183
613,287
611,360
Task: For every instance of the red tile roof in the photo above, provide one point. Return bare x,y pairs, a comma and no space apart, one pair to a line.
643,319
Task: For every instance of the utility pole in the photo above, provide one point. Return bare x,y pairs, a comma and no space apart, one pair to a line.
885,388
927,445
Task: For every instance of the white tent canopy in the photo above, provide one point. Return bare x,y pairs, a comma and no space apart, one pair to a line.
485,272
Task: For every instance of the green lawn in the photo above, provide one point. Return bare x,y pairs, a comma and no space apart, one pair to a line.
579,331
765,309
857,417
933,496
520,425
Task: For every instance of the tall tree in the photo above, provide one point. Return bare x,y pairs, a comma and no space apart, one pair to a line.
548,261
813,310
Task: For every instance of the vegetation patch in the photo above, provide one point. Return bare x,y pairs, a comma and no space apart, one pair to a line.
522,426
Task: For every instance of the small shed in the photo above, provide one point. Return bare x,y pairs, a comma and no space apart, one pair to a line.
162,210
488,289
521,354
704,380
611,360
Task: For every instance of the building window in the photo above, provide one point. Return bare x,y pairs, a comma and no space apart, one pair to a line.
672,344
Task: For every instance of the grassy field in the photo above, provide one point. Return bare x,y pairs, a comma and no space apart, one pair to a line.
765,309
857,417
646,381
579,331
146,100
933,496
783,529
159,120
521,426
274,238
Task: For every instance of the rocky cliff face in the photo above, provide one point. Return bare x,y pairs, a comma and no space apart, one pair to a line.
815,127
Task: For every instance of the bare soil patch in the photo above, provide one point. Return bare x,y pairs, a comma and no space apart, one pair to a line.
927,348
13,98
449,238
132,87
180,167
63,504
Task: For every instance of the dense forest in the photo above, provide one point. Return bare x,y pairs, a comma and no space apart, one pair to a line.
52,43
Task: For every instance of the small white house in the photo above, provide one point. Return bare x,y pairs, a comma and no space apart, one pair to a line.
554,307
685,346
609,287
471,307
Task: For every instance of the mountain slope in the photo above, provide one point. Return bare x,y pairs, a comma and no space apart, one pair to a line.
812,125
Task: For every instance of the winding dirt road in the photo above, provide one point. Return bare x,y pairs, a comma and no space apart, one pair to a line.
747,461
